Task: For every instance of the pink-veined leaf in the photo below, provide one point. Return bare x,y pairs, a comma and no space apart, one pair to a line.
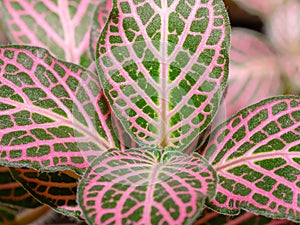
99,19
256,154
126,141
63,27
259,7
145,187
213,218
253,72
163,66
12,193
53,114
283,28
56,189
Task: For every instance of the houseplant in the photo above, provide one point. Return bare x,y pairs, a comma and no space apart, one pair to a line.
163,69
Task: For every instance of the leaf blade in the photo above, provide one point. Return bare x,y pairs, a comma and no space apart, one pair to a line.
62,27
56,189
149,78
134,186
256,156
12,193
53,114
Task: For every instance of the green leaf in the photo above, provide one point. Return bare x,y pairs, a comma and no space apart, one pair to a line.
144,186
163,66
256,154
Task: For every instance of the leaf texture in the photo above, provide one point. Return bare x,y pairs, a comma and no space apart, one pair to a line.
256,154
12,193
212,218
56,189
145,187
53,114
99,19
163,66
63,27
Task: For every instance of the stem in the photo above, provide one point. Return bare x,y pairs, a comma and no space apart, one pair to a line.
28,216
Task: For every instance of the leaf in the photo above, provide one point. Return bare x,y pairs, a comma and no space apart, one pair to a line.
124,138
256,154
99,19
211,218
258,7
53,115
163,66
12,193
56,189
61,26
145,187
254,73
282,28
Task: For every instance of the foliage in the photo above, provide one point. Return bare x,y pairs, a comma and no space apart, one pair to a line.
108,121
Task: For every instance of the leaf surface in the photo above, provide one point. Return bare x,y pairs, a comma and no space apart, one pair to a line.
212,218
56,189
99,19
53,114
145,187
63,27
163,66
256,154
12,193
254,73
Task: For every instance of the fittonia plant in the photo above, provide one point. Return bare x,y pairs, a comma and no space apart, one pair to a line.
118,156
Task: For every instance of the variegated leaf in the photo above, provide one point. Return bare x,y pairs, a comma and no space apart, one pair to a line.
124,138
56,189
145,187
12,193
99,19
256,154
53,114
254,73
213,218
163,66
61,26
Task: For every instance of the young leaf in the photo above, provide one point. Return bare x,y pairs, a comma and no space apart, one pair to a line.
256,154
56,189
163,66
211,218
254,73
99,19
12,193
145,187
53,114
61,26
